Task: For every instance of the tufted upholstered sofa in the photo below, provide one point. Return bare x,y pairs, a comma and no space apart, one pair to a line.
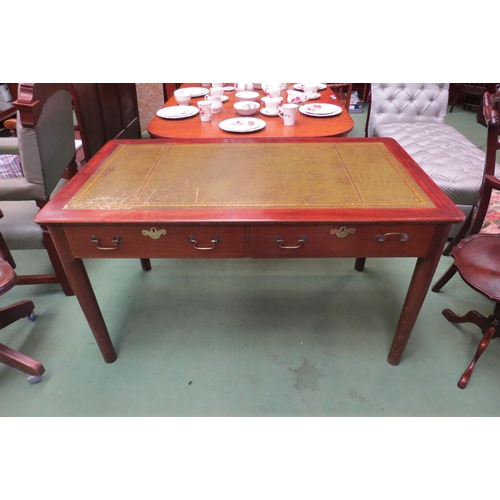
414,114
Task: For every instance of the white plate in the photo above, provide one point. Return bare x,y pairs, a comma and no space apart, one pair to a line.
229,88
300,86
242,125
176,112
320,109
266,112
197,91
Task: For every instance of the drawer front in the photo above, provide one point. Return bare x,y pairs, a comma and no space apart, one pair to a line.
351,240
179,241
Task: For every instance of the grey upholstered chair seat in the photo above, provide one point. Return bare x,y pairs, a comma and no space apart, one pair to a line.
15,229
449,158
414,114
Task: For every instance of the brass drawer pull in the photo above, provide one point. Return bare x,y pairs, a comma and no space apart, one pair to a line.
194,241
379,238
116,241
343,232
279,240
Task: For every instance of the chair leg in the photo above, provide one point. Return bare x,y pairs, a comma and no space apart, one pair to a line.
21,362
445,278
461,233
56,263
464,379
5,253
15,312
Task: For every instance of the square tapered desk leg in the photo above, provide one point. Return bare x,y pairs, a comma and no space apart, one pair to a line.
79,280
419,285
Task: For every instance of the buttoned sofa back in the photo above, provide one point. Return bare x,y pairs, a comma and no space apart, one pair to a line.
407,102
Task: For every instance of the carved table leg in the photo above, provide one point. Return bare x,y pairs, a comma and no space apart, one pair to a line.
464,379
471,317
82,287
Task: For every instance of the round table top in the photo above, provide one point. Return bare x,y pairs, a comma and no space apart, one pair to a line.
305,126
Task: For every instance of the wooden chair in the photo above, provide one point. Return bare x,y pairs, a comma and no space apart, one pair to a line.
475,219
46,141
343,92
477,257
469,95
105,111
10,314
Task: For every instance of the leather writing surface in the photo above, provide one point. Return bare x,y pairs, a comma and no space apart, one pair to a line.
250,175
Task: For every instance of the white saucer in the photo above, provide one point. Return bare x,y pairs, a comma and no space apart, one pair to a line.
228,88
224,98
300,86
177,112
197,91
314,96
320,110
266,112
242,125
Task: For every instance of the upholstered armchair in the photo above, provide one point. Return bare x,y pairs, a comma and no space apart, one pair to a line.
46,142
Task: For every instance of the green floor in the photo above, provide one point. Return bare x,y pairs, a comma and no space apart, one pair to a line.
251,338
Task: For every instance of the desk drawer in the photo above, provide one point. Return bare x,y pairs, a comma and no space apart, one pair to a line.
179,241
335,240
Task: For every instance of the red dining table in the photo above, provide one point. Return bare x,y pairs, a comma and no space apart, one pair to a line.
305,126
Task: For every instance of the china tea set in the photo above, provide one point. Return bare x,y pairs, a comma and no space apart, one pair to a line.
247,104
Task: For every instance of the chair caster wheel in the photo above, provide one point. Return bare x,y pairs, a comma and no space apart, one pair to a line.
31,316
34,379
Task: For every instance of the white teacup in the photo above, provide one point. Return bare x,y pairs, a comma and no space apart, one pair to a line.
205,108
182,96
272,103
288,112
217,85
273,92
310,89
217,91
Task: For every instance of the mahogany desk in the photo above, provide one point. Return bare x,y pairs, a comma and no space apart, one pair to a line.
233,199
305,126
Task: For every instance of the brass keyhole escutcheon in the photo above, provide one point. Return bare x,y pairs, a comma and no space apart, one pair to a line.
343,232
154,233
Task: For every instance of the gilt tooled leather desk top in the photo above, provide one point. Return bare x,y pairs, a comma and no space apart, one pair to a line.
325,175
231,181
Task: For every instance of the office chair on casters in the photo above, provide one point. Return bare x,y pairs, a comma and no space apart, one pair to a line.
477,257
46,142
10,314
